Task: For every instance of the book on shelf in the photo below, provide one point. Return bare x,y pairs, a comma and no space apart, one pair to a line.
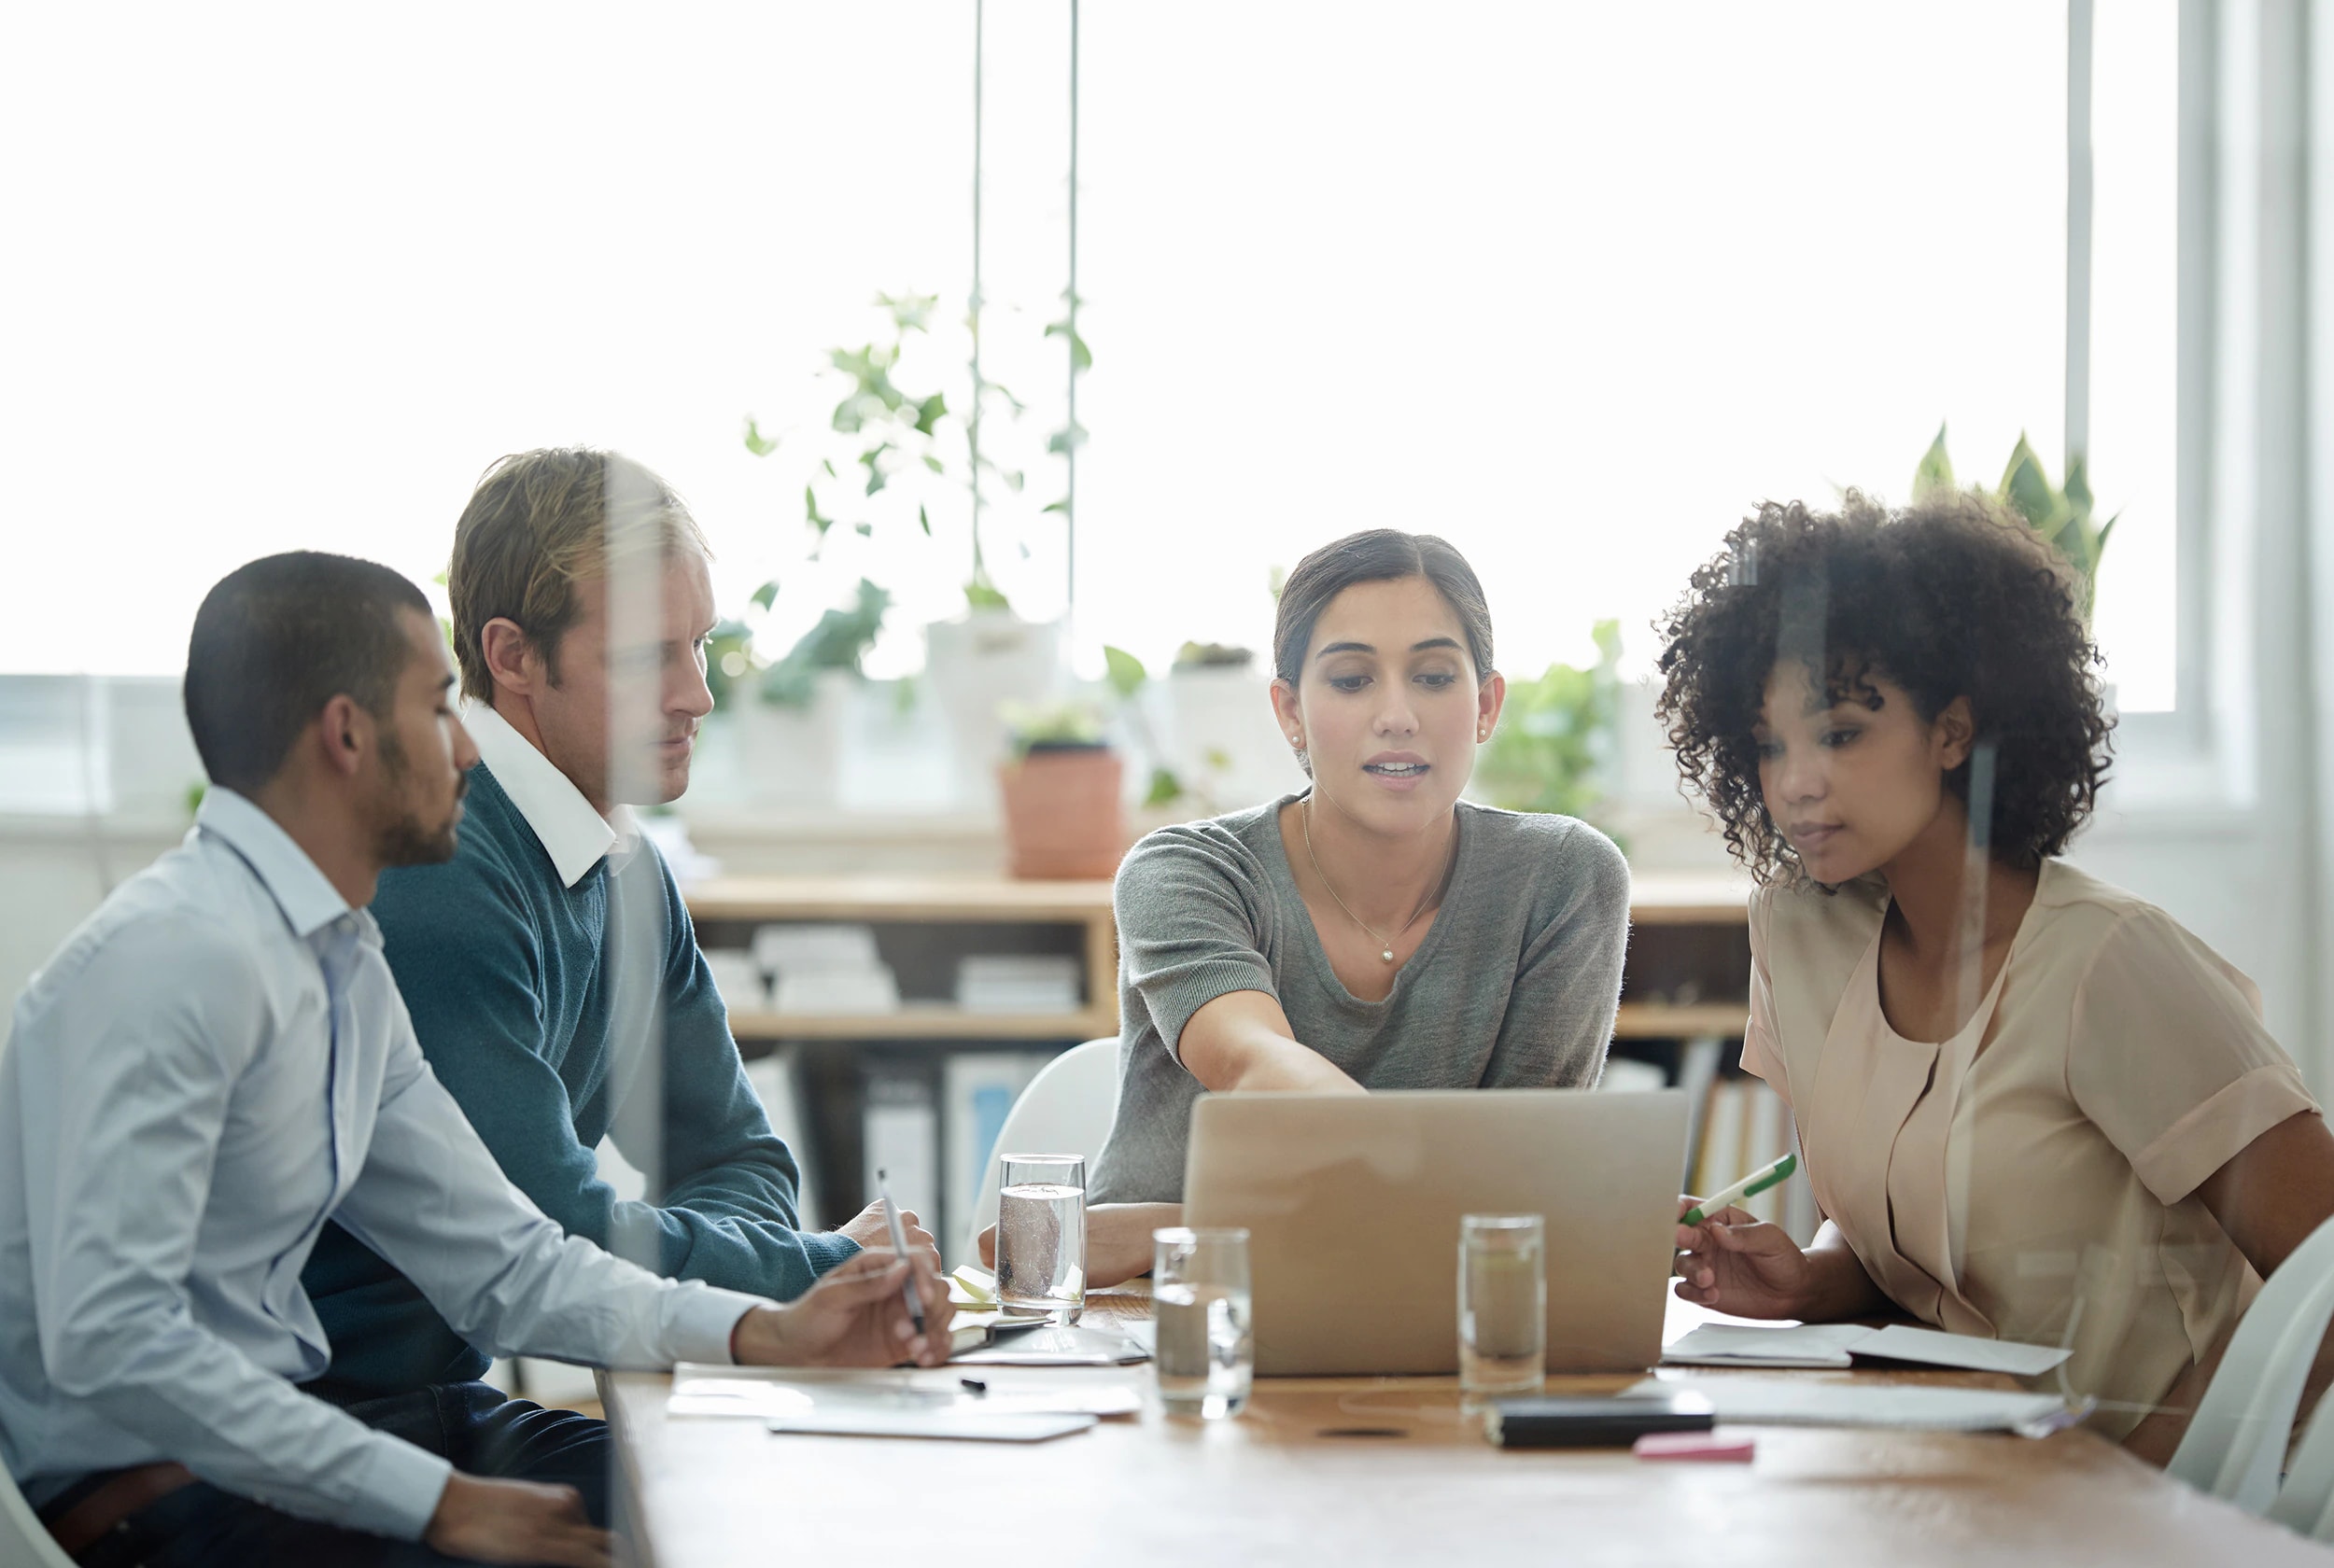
873,990
1746,1125
775,1085
743,985
1047,983
901,1137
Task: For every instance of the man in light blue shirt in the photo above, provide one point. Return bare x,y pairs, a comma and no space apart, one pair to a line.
216,1062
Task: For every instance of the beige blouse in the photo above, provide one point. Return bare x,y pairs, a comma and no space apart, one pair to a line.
2032,1177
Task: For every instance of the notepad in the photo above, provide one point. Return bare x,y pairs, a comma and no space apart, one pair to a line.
1843,1345
1058,1345
1810,1345
1794,1402
1929,1348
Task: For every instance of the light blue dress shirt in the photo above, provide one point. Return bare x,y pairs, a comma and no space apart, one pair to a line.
213,1064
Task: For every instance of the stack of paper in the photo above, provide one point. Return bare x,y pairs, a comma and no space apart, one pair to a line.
827,969
743,987
1017,983
1794,1402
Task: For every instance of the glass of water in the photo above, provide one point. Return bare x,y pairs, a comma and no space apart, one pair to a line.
1502,1306
1206,1356
1041,1236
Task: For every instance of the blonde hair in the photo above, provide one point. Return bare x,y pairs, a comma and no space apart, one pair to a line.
538,523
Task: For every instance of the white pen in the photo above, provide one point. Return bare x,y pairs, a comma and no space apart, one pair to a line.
1758,1181
899,1245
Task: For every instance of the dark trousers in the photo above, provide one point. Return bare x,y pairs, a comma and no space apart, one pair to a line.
473,1425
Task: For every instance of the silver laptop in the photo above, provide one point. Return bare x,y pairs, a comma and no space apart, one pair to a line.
1352,1206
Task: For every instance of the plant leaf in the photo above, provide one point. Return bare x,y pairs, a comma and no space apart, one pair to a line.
930,412
1061,505
766,595
1081,358
2026,487
756,443
984,595
1124,671
924,520
1165,790
1934,475
934,464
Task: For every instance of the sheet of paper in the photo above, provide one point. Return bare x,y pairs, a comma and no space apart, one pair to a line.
1793,1345
749,1393
973,1427
1927,1346
1797,1402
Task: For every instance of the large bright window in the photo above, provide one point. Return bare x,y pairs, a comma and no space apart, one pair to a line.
1572,286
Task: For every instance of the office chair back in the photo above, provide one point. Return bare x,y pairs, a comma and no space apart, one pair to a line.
24,1539
1066,1110
2235,1446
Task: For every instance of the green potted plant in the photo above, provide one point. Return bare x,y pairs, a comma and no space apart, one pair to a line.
1220,715
789,714
2061,514
1556,736
1064,819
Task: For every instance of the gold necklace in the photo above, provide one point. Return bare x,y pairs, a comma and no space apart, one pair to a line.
1304,816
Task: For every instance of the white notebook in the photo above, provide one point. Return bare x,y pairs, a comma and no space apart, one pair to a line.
1795,1402
1842,1345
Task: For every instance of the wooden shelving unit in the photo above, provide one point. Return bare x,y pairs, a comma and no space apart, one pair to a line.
926,903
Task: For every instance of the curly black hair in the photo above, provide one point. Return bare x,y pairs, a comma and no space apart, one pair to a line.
1952,597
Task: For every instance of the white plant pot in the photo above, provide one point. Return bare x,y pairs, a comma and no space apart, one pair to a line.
790,758
1223,741
975,664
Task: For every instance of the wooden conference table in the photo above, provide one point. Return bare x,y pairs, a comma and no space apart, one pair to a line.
1274,1487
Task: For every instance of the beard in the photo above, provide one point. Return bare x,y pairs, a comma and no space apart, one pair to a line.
403,837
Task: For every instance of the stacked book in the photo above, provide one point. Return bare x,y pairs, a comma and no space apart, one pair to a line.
824,969
1017,983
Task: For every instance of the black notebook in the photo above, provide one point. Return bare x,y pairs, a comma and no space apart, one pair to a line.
1537,1422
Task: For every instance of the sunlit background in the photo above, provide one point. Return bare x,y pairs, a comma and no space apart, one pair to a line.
1574,287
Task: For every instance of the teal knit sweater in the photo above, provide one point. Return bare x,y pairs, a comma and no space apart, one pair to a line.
506,974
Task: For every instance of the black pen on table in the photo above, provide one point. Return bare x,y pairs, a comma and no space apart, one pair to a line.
899,1245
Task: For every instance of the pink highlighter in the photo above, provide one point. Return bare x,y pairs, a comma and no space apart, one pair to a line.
1709,1448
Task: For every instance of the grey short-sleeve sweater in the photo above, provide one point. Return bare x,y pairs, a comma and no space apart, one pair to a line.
1514,986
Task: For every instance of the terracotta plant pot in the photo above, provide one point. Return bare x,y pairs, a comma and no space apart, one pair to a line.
1062,820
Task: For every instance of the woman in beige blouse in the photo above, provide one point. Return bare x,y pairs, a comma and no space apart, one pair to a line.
2032,1105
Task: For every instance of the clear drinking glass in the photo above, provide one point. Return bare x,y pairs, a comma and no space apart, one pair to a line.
1041,1236
1205,1356
1502,1306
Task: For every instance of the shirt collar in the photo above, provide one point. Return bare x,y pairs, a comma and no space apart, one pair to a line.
575,836
309,900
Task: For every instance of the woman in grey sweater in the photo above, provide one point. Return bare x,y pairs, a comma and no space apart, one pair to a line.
1375,931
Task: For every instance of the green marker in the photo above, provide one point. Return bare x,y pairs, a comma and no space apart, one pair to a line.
1750,1186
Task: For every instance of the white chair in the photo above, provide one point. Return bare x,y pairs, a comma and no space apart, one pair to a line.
2235,1445
24,1539
1066,1110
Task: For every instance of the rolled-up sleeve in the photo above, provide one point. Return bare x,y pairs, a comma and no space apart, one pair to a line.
2169,1057
1186,931
116,1202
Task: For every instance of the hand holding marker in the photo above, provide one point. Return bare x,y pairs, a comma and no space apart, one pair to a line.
1757,1182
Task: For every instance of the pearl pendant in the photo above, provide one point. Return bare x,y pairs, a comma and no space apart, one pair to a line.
1387,955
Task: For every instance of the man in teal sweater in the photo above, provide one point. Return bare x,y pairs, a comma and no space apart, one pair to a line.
537,963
